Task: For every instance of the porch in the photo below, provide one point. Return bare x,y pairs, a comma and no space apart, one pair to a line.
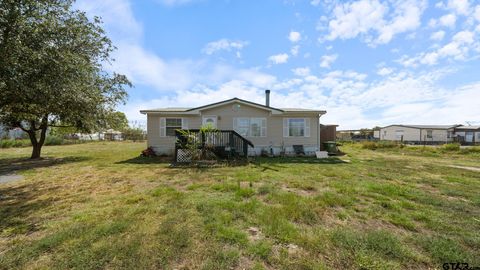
221,144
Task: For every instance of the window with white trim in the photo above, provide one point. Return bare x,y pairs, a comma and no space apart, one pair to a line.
250,127
172,124
296,127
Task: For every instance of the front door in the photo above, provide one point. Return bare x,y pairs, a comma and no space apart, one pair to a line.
210,120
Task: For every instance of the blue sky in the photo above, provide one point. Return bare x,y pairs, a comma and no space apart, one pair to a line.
366,62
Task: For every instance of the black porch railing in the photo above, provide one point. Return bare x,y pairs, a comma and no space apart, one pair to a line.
225,144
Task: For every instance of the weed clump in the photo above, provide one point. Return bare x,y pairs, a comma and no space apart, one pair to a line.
380,145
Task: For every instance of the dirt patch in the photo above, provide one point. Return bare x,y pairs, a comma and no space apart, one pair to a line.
301,192
254,234
475,169
8,178
244,263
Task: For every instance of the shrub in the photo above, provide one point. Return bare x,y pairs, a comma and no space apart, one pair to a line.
472,149
53,140
380,145
388,144
14,143
134,134
369,145
451,147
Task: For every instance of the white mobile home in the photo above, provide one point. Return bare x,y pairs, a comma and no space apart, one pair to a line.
419,133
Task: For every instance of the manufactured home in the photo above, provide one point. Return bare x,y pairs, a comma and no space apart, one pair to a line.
468,134
431,134
266,128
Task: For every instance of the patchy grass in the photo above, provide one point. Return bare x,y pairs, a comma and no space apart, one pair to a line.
100,206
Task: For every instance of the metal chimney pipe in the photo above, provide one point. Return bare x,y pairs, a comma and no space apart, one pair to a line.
267,98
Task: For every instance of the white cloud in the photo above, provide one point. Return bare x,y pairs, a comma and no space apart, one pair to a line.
302,72
294,36
294,50
384,71
315,2
327,60
448,20
117,17
459,6
437,36
278,58
352,19
477,13
361,17
459,48
407,16
223,45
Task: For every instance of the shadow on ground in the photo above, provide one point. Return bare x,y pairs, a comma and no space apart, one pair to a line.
16,206
303,160
15,165
147,160
274,163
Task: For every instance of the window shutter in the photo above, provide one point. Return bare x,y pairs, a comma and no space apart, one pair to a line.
184,123
285,127
163,130
307,127
263,129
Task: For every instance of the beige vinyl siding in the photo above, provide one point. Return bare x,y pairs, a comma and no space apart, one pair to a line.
390,133
274,131
413,134
438,135
155,134
225,115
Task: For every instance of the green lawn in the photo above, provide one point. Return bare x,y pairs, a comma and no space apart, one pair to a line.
98,205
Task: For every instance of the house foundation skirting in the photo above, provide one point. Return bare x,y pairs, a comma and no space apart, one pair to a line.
255,151
277,150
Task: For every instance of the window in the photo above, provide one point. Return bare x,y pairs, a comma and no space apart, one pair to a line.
399,134
243,125
172,124
250,127
478,136
429,134
296,127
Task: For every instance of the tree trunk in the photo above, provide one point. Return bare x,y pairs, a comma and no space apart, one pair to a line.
37,145
37,149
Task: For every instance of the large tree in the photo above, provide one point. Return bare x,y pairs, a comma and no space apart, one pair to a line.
52,61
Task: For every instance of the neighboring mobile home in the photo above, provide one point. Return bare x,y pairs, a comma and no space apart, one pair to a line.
431,134
468,134
270,129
